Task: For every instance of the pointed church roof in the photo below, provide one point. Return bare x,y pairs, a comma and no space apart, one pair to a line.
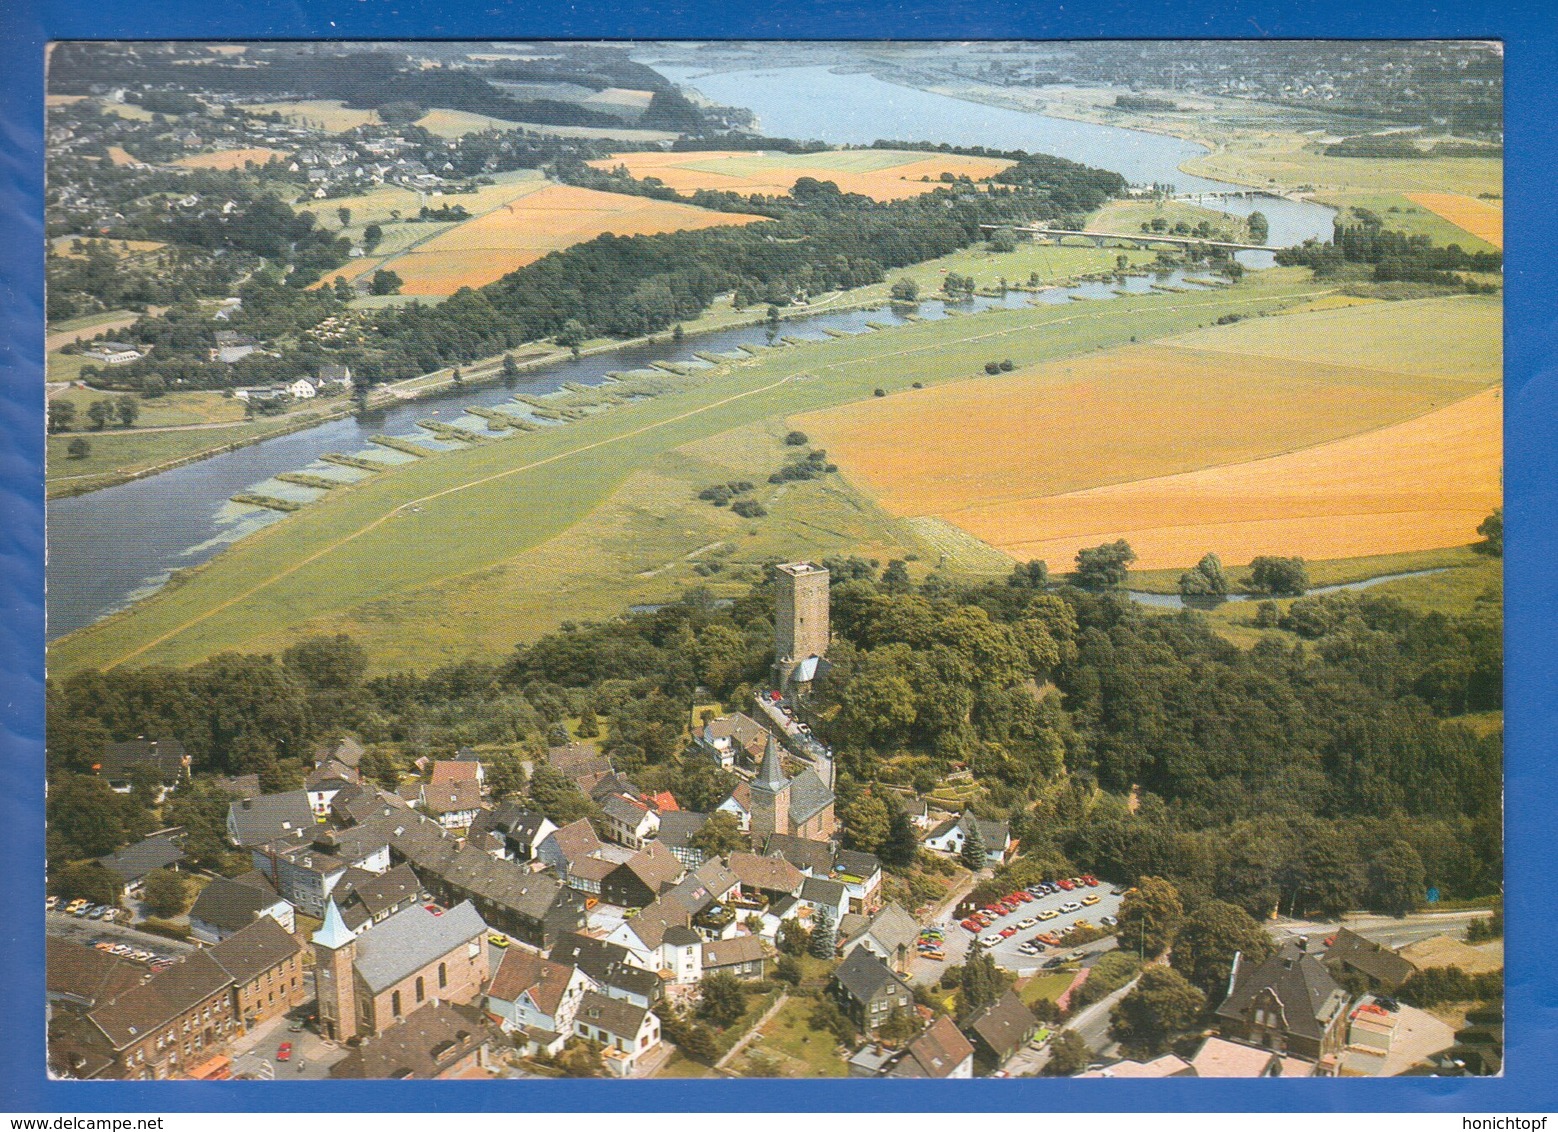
770,775
333,933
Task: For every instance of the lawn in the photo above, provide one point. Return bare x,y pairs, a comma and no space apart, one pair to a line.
1046,988
1416,216
482,508
318,113
1127,217
798,1050
203,406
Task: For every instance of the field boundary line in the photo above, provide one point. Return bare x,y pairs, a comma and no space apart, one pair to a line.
398,509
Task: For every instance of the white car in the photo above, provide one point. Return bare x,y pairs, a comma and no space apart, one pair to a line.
1028,923
1070,906
990,939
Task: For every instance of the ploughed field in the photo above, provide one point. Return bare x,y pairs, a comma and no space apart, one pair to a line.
1346,432
882,174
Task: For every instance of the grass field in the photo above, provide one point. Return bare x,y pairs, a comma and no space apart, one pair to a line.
1478,217
529,226
1238,439
1127,216
319,113
230,158
195,407
877,173
501,538
798,1050
458,123
1402,212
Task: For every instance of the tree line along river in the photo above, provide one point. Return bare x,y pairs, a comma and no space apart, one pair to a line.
110,547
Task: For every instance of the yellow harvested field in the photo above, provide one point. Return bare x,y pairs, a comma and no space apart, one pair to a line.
63,99
120,156
327,113
879,174
522,231
1422,484
1481,218
230,158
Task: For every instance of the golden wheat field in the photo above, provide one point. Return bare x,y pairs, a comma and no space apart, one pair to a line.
522,231
229,158
1423,484
1479,217
1229,434
876,173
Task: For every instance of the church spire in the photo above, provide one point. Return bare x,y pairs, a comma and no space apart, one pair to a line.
333,933
770,774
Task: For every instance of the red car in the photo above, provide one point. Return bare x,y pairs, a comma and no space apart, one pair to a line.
1089,880
970,925
1065,884
434,908
1018,898
1050,938
284,1051
1007,933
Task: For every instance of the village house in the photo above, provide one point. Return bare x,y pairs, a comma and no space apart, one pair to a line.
305,866
639,881
255,821
452,772
949,836
333,374
940,1053
732,741
367,983
629,822
301,389
78,977
628,1032
999,1030
1168,1065
868,991
578,761
572,843
346,751
516,833
438,1042
163,760
133,863
232,346
677,830
661,939
366,900
225,907
325,782
611,966
738,806
1289,1004
113,353
859,873
537,997
744,957
1219,1057
1381,968
890,935
453,806
764,880
709,894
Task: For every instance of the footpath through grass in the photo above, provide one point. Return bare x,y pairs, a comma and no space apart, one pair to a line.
469,510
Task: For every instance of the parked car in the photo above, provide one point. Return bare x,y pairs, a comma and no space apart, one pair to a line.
295,1026
970,926
1007,933
51,903
1117,891
1048,914
1049,938
1109,922
937,956
990,940
1027,923
1090,899
78,907
434,908
1070,906
1051,964
498,940
1090,880
103,945
1066,884
284,1051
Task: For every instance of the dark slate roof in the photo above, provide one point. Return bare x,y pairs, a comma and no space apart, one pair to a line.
119,759
451,797
863,975
655,865
1310,997
134,861
652,924
709,882
808,796
1375,961
576,839
240,786
510,819
229,904
357,804
737,949
820,890
852,862
773,874
892,928
425,1044
262,819
254,950
614,1015
578,759
677,827
348,751
256,879
387,889
606,963
620,809
507,884
1004,1025
815,857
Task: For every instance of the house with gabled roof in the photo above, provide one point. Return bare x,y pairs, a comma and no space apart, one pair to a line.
628,1032
1289,1004
576,760
949,836
733,740
940,1053
306,865
454,805
345,750
677,829
254,821
764,879
371,899
225,907
325,782
745,957
613,967
573,842
448,772
133,863
661,938
519,831
537,997
999,1030
164,759
629,822
890,935
439,1041
868,991
1380,966
639,881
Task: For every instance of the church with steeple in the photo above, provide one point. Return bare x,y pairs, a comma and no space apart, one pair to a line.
801,806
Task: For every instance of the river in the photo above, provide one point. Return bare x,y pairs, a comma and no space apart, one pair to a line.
110,547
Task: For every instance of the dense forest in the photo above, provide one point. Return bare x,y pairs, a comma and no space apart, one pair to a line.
1118,740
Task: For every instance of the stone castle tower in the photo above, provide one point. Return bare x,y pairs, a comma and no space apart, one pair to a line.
770,796
335,952
800,619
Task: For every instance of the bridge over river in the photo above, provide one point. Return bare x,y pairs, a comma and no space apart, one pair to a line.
1129,239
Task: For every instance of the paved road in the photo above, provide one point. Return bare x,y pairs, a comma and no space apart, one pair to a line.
1388,931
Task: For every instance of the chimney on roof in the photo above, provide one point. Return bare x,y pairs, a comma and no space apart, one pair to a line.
1303,943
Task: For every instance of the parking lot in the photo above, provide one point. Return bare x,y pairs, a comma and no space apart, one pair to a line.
89,932
1006,953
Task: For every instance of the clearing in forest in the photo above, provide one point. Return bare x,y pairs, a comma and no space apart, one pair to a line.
1479,217
882,174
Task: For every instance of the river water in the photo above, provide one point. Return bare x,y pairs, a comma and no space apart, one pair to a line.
108,548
